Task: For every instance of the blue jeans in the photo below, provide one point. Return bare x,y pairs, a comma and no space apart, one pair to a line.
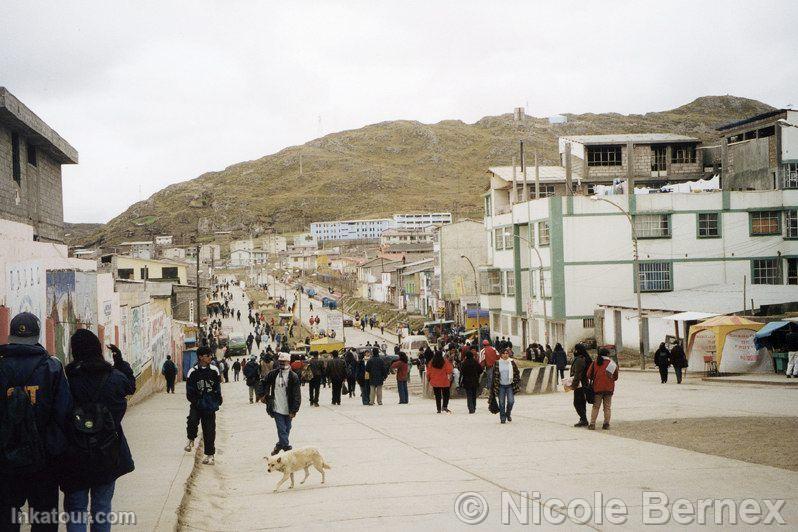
403,397
283,423
506,400
76,503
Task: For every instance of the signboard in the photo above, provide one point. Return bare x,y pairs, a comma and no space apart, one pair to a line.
740,354
335,322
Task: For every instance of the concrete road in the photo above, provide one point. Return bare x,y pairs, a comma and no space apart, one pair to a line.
405,467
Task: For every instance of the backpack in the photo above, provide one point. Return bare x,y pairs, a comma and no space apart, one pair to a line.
21,445
307,373
94,443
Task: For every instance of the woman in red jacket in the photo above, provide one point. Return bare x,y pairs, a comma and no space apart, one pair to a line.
439,373
603,386
402,370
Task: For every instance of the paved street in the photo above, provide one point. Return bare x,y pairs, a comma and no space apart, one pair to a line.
399,466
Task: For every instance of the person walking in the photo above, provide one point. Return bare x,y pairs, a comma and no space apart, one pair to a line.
204,394
351,372
402,370
487,359
283,399
317,371
679,361
36,396
662,359
169,372
603,372
236,370
506,383
251,375
377,373
578,374
224,367
439,373
363,379
336,370
89,471
560,360
249,341
470,370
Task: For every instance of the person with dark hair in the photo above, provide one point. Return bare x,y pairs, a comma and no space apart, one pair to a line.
236,370
377,371
283,398
351,372
402,370
36,392
317,370
470,372
578,372
560,360
662,359
204,394
98,391
603,372
439,373
169,372
362,378
506,383
336,370
679,361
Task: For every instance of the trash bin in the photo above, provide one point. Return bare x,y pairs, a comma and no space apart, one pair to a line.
779,362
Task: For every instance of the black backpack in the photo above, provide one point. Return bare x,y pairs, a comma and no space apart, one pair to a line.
95,444
21,445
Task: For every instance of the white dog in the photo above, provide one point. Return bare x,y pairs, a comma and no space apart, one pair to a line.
289,462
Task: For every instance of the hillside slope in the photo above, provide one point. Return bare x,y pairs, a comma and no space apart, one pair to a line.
384,168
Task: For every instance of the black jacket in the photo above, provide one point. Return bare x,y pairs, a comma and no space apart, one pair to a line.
84,378
470,371
53,401
204,381
317,367
169,369
336,369
377,371
662,358
293,391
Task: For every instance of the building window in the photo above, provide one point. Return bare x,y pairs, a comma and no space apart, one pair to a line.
490,282
789,172
765,271
543,234
604,156
708,225
683,154
124,273
488,205
652,226
144,273
765,223
498,239
169,273
509,283
31,149
545,190
509,239
16,168
655,277
588,323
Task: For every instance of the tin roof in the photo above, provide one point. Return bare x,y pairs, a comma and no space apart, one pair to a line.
623,138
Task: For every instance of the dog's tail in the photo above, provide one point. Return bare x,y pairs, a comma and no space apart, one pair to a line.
325,465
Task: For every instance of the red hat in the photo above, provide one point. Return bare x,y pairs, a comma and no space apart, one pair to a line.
485,342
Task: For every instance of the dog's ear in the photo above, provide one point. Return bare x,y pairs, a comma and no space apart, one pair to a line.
279,458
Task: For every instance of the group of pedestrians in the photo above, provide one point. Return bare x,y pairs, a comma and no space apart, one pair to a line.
61,428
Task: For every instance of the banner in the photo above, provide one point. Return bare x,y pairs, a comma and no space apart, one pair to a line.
26,289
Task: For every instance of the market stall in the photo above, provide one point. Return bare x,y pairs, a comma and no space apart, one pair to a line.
778,338
728,341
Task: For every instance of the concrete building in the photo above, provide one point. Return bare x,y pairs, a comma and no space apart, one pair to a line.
243,253
418,220
274,244
417,287
406,236
177,254
551,183
585,247
453,281
760,152
31,155
209,253
163,240
135,269
304,241
350,229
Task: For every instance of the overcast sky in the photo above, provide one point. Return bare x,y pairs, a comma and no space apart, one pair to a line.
156,92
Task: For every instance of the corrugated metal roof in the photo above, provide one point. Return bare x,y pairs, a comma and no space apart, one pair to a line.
622,138
549,174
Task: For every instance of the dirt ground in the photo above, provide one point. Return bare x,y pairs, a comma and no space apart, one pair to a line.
769,441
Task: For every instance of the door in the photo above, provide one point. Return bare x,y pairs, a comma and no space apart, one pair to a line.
658,162
616,319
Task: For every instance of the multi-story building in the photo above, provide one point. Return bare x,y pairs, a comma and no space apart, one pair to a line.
350,229
274,244
454,282
138,269
406,236
418,220
31,155
144,249
761,152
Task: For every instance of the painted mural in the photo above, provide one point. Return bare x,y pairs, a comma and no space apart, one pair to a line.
139,338
26,289
160,339
61,309
86,300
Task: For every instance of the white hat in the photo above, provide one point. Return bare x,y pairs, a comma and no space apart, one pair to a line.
284,357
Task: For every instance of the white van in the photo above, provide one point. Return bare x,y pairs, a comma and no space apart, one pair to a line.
412,346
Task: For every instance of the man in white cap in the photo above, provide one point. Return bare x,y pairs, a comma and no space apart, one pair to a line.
283,398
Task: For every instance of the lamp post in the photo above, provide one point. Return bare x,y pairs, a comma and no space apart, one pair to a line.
636,269
542,293
479,302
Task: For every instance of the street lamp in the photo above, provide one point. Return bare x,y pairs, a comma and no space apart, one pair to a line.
542,293
636,269
479,303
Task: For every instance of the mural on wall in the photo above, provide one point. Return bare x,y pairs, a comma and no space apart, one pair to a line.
160,340
86,300
139,337
60,307
26,289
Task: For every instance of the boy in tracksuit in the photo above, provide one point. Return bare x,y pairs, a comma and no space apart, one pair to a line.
204,393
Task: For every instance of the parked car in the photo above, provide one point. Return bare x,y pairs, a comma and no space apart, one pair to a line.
413,345
348,322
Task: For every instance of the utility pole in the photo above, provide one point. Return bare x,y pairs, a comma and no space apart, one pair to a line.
198,296
479,303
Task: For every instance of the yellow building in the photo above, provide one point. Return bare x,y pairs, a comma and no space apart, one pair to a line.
134,269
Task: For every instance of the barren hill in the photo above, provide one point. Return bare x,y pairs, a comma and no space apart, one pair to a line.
384,168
